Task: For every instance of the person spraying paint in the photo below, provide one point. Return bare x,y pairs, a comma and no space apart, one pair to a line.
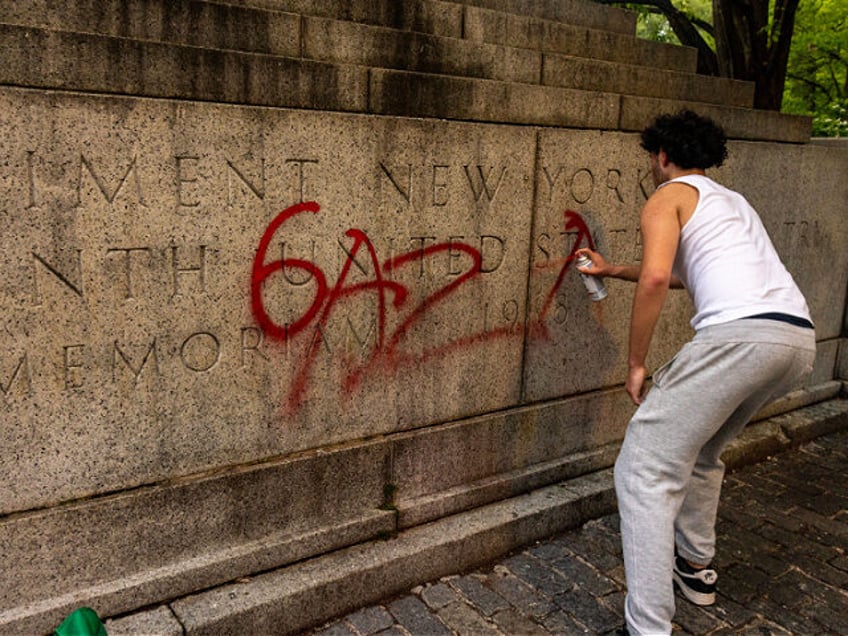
754,341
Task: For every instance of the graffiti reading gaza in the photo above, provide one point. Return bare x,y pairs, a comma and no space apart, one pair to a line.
393,299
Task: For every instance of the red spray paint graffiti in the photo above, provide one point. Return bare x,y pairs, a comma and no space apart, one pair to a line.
386,353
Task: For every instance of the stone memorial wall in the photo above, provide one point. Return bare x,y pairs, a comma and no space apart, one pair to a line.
237,335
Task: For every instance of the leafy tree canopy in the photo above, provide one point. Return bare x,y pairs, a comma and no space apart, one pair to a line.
795,52
817,76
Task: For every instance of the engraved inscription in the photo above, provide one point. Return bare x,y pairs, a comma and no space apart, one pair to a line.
257,190
300,170
72,356
251,339
19,380
187,174
200,351
366,316
484,184
182,271
76,288
405,186
110,194
583,185
127,253
123,362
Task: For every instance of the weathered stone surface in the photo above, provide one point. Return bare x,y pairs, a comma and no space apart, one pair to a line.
796,190
131,304
441,96
801,398
577,12
582,344
133,228
739,123
426,16
483,25
575,344
191,22
350,43
756,441
283,601
85,62
814,421
595,75
448,469
157,622
196,388
125,551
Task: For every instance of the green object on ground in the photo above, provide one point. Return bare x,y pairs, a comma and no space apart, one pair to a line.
82,622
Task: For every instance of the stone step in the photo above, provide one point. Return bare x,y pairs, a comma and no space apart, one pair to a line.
628,79
250,23
738,123
425,15
189,22
574,12
49,59
483,25
219,26
351,43
73,61
416,95
437,17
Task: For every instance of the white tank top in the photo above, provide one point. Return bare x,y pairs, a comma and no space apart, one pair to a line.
727,261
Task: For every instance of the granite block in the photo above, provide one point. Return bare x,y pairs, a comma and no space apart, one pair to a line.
425,16
739,123
420,95
351,43
155,622
573,12
630,79
295,598
144,323
121,552
188,22
590,186
524,31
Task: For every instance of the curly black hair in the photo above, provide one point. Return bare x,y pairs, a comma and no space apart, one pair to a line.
689,140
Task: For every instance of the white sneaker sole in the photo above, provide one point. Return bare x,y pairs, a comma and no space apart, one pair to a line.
698,598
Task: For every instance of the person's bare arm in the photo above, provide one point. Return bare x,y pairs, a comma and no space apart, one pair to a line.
602,268
660,236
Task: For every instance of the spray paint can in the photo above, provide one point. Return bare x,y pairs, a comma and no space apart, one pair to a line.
594,285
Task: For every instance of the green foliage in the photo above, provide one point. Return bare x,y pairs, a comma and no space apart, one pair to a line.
653,25
817,75
817,78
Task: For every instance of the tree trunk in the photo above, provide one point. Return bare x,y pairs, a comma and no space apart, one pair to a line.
748,48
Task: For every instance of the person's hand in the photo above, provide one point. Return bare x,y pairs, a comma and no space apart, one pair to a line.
600,267
635,384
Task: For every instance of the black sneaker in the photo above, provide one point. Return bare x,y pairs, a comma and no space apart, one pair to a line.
696,585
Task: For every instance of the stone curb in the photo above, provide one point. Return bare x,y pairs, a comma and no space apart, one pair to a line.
294,598
309,593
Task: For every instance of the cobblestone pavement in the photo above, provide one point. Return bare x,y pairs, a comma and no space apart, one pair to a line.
781,560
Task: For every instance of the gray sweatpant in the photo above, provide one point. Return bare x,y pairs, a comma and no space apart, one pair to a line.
668,475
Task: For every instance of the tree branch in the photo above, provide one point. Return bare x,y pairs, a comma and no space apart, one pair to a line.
683,28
